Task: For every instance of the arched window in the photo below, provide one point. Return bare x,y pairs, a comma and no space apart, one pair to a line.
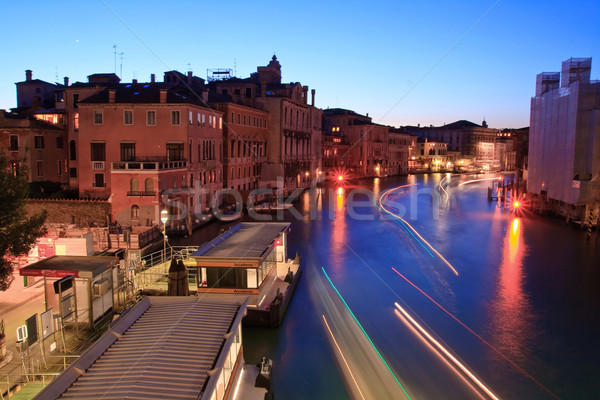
135,212
148,185
73,150
133,185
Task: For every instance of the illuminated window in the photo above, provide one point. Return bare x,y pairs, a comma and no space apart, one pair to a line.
76,122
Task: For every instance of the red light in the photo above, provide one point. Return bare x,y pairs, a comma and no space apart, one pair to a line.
516,204
277,242
340,178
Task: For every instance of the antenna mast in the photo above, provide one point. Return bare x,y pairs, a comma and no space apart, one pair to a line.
115,54
121,72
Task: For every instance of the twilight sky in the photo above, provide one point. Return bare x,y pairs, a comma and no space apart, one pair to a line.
403,62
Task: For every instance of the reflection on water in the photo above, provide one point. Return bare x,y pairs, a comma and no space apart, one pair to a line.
338,233
511,309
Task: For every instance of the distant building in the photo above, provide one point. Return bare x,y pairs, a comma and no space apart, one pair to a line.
564,139
432,155
401,146
367,155
471,140
293,151
245,133
37,145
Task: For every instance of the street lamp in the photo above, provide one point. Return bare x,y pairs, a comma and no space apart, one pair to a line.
164,217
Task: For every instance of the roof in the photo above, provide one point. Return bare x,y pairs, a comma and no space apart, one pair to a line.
12,120
244,240
144,93
461,124
60,266
164,347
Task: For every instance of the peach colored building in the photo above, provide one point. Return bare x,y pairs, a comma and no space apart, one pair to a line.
149,146
245,133
37,145
293,153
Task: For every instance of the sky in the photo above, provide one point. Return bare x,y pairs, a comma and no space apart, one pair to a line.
402,62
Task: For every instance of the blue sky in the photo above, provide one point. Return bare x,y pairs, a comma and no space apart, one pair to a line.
427,62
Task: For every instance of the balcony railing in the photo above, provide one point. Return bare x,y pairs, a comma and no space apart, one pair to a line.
150,193
148,165
98,165
208,164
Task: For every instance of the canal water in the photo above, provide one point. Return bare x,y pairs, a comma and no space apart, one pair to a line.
434,293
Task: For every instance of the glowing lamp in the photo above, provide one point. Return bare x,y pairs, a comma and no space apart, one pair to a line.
306,173
340,178
277,242
164,216
516,204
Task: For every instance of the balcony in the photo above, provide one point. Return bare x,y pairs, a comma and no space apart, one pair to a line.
148,165
150,193
208,164
98,165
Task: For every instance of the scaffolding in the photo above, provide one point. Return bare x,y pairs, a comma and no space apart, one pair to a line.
218,74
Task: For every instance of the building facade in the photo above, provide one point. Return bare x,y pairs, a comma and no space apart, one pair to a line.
37,145
293,153
564,139
146,147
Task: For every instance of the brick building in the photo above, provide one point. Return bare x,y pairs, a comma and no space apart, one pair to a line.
294,126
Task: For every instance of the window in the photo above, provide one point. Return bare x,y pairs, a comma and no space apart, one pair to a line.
73,172
76,122
59,167
199,118
60,144
128,117
191,117
248,92
98,117
203,118
150,118
135,212
14,142
72,150
75,100
175,151
99,180
39,168
127,151
148,185
175,117
39,142
133,185
98,151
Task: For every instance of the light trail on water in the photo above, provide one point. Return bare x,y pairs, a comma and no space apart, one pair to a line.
521,370
447,353
413,230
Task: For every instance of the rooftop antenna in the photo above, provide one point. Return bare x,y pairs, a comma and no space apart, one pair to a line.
56,72
121,72
189,66
234,67
115,54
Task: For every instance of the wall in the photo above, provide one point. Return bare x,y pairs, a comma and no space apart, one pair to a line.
79,212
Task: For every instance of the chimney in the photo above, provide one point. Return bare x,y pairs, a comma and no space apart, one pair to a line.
111,95
163,95
66,79
305,94
312,95
152,78
189,78
263,89
28,75
134,81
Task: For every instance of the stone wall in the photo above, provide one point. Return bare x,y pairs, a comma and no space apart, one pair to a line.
82,213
